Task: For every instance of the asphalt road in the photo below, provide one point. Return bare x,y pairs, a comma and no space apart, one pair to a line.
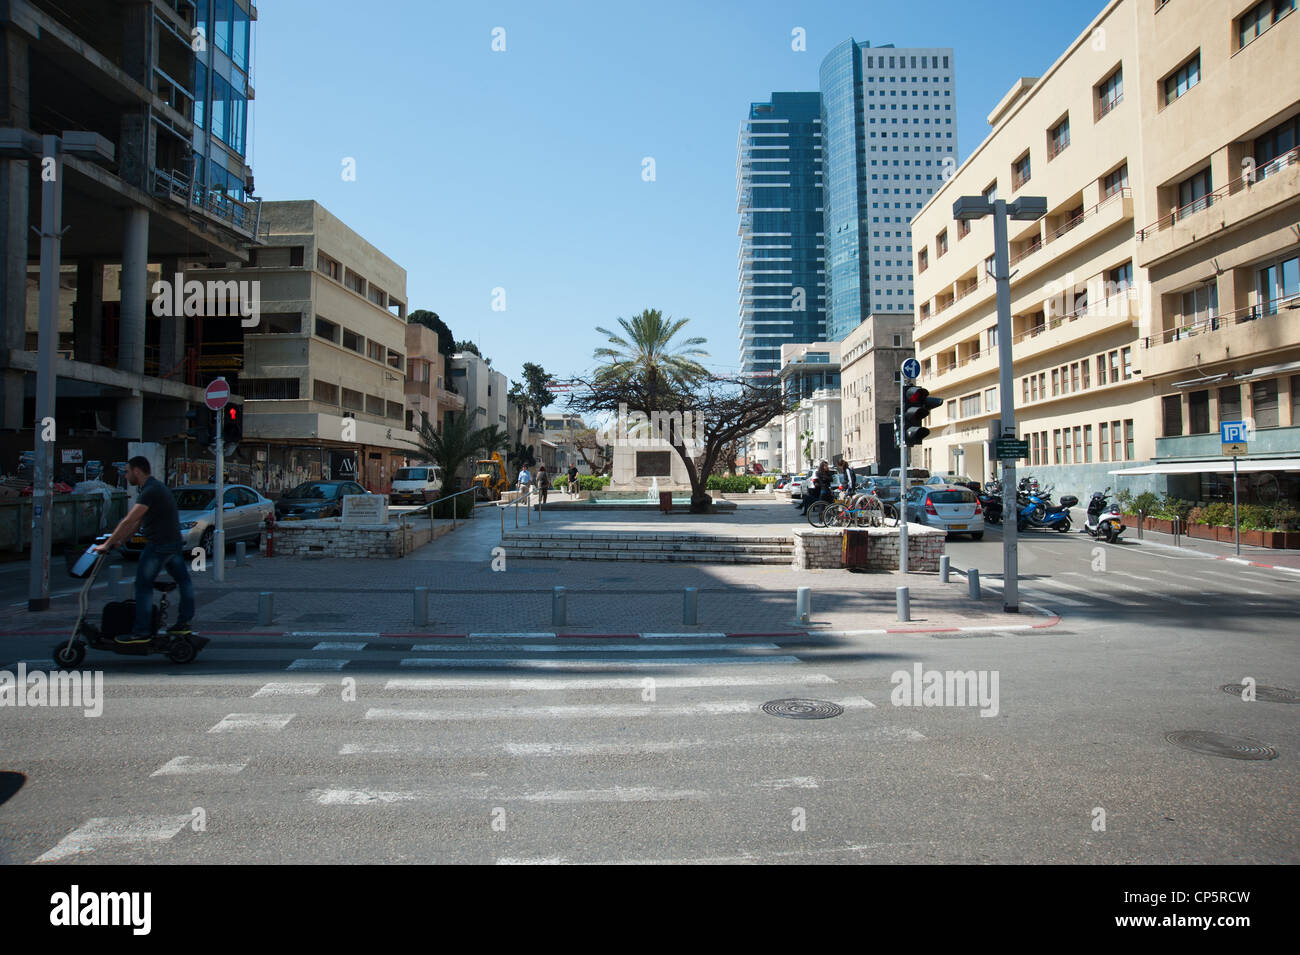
326,749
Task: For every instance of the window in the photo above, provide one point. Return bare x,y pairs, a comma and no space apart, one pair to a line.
327,265
1278,283
963,229
991,193
1056,446
992,334
1194,193
1024,390
1172,407
1033,387
1201,304
941,244
1101,369
1119,279
898,341
352,340
1103,444
1078,444
355,282
1263,403
1198,412
295,256
1056,382
1058,138
1230,403
1114,182
1110,92
1069,458
1114,367
375,350
970,405
990,399
1295,399
1260,17
1183,78
1074,376
1126,358
1033,446
1115,448
1130,451
1275,144
1087,444
327,330
200,91
923,260
1020,172
1083,372
952,410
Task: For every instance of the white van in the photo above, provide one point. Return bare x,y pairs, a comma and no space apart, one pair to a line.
416,485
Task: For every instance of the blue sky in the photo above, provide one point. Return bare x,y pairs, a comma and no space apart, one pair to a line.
521,169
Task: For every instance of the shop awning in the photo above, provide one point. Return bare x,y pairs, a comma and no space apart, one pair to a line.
1215,466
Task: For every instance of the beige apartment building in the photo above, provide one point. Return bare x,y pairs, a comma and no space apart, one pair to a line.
811,429
871,359
324,371
429,395
1128,136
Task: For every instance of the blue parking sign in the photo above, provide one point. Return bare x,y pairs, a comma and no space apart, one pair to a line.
1232,432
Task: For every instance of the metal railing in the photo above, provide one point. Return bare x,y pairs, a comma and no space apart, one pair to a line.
1200,204
525,499
1214,323
401,521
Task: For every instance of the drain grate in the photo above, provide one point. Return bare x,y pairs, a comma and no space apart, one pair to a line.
1219,744
1268,694
803,709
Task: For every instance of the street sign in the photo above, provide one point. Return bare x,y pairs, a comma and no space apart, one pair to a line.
912,369
1233,449
217,394
1009,449
1233,432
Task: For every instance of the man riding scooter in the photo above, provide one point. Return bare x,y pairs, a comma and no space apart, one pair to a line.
155,512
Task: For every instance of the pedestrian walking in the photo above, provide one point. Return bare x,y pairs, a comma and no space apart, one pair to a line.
543,485
524,482
574,484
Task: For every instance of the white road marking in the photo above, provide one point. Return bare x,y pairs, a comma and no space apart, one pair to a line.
1094,594
596,646
290,689
102,833
458,711
1028,591
318,664
548,860
335,645
367,797
602,683
676,636
794,782
1108,580
266,722
194,765
331,634
515,663
359,797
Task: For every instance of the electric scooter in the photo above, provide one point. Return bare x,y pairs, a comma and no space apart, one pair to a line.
1104,520
117,619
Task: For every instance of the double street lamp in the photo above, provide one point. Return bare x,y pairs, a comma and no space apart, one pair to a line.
1023,209
48,151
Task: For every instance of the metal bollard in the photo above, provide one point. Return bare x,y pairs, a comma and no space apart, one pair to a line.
421,609
1140,523
265,601
557,607
240,550
904,601
803,604
114,580
973,579
691,606
943,568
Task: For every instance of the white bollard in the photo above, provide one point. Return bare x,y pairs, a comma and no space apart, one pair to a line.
558,607
265,602
904,601
803,604
973,579
944,567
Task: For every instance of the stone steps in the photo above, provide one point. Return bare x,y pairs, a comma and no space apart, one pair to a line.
563,545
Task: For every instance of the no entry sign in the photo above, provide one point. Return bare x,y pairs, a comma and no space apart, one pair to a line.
217,394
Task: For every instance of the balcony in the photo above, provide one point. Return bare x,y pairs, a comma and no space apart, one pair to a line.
955,373
1224,209
1066,330
1247,333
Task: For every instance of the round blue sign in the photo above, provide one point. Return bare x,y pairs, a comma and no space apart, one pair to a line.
911,368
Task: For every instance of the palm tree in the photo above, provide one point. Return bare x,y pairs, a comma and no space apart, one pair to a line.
645,351
458,442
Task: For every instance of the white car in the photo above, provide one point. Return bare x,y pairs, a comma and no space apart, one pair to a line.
416,485
955,509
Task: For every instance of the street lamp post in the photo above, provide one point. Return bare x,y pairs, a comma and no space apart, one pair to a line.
1025,209
49,151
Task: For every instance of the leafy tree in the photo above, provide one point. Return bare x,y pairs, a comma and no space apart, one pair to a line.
430,320
469,347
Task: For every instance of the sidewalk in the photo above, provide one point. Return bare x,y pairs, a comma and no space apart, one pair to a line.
467,595
1258,556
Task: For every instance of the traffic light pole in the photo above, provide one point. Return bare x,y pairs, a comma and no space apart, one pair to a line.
1010,513
218,555
902,474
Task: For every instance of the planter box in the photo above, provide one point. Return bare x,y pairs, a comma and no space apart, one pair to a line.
1159,524
1226,535
1292,540
1201,531
1249,538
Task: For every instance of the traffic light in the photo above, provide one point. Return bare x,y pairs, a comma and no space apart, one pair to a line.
233,426
917,405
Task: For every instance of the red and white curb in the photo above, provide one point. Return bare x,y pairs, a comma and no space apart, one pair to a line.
1254,563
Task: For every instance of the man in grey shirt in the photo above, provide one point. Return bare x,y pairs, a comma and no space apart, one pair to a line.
155,509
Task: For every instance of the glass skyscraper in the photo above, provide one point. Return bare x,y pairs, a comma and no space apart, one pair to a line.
779,198
890,137
222,89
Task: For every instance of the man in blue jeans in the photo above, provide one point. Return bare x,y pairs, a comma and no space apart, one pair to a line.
155,509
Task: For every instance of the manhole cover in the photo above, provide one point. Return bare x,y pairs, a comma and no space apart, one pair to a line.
803,709
1218,744
1269,694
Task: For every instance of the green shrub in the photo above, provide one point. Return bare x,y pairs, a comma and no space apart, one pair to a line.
1172,507
1146,502
1124,499
732,484
593,482
464,507
1218,514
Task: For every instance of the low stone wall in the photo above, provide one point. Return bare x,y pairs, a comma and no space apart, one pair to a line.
822,548
306,540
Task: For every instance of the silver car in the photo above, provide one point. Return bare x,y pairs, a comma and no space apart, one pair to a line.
244,516
955,509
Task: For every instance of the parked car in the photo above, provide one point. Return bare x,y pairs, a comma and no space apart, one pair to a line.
243,519
955,509
416,485
913,473
315,499
783,482
961,480
888,489
799,482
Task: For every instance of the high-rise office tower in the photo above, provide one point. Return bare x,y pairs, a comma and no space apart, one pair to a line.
779,198
889,131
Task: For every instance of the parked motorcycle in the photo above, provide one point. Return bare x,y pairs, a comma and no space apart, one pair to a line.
1104,521
1037,510
991,502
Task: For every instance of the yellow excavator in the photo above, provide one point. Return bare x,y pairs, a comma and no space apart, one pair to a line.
490,478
